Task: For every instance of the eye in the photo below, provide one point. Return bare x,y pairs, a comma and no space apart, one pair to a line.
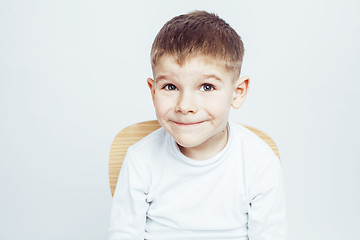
207,87
170,87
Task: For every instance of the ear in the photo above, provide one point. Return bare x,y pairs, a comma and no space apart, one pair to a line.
240,91
151,84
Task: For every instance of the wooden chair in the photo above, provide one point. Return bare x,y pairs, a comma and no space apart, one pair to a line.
131,134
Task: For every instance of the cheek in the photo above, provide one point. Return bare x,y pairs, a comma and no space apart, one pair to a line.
221,111
162,105
218,111
219,104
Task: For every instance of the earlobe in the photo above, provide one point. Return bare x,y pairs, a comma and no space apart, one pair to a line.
151,85
240,91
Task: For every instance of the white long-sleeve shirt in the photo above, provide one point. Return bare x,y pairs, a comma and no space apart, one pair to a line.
162,194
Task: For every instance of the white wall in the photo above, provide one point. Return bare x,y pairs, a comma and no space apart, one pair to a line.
72,74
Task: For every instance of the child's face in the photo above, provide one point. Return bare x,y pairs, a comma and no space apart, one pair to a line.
193,101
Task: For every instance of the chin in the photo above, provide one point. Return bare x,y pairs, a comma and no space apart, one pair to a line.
188,143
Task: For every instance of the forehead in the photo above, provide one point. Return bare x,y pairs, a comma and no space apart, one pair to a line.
193,66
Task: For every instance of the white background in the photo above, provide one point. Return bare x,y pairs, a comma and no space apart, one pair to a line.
73,74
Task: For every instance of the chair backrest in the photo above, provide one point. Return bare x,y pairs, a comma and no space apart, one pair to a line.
131,134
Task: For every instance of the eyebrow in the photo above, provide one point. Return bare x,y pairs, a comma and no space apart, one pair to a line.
206,76
212,76
162,77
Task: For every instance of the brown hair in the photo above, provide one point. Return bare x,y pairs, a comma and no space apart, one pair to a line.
199,33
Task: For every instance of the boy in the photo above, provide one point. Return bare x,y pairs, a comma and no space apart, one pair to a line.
198,177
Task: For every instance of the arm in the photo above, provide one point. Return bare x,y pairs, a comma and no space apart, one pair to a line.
128,213
267,214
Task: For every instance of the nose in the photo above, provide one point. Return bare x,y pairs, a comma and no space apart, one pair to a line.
186,103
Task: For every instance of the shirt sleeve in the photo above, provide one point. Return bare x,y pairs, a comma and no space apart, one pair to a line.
128,212
267,213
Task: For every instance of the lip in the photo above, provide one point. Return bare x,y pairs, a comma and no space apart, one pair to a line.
188,124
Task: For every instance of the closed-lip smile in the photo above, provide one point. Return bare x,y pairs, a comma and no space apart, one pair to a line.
188,123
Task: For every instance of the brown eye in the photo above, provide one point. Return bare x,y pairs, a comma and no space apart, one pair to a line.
170,87
207,87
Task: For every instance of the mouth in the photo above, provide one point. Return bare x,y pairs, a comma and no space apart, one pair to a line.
188,124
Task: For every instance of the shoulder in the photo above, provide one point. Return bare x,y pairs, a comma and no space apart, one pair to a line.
258,158
251,142
140,157
150,143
